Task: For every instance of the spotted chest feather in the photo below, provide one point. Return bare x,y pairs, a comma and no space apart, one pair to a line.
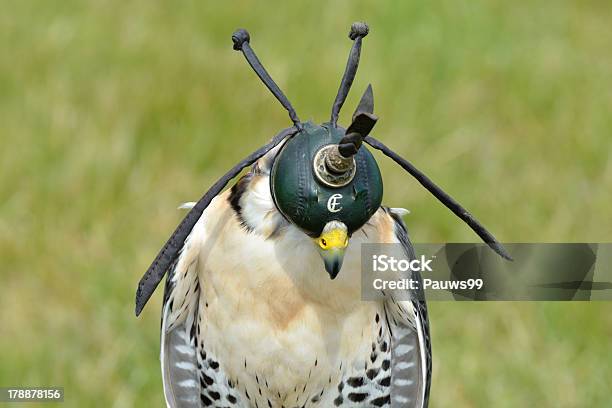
363,382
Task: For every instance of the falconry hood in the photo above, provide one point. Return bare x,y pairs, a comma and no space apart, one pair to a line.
322,173
312,183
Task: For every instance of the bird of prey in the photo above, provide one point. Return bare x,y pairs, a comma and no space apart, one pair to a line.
251,317
262,304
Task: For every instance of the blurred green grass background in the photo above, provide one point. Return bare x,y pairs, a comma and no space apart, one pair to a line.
112,113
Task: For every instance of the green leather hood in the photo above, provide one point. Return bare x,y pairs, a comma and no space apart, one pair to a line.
307,202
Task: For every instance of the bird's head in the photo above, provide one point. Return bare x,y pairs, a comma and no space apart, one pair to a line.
325,194
323,180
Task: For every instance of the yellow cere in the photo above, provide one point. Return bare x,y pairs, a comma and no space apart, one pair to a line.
334,239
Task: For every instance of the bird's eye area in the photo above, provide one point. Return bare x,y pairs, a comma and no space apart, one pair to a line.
335,239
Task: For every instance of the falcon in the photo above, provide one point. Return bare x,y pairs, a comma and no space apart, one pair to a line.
263,296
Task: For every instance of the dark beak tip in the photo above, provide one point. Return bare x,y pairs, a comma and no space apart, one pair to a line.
333,268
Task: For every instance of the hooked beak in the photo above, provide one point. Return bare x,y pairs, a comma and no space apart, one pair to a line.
333,261
331,245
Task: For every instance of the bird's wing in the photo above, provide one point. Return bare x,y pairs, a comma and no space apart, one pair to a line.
411,346
178,325
178,355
